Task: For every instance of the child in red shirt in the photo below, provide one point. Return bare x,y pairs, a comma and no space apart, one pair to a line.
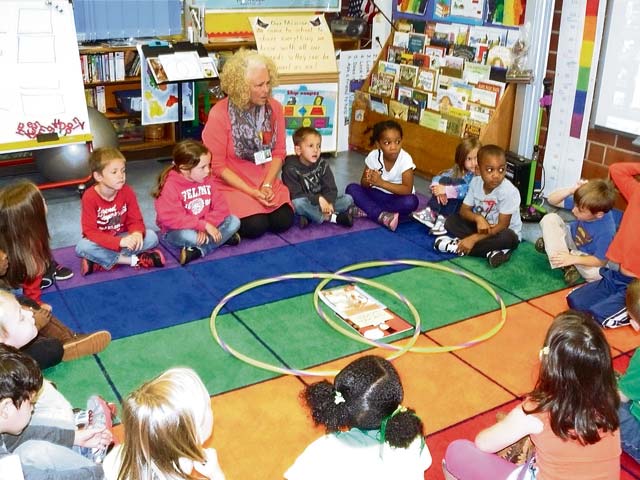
113,230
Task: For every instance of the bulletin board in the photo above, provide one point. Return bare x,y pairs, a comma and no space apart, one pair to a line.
42,102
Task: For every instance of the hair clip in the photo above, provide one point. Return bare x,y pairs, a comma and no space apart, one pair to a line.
338,398
544,350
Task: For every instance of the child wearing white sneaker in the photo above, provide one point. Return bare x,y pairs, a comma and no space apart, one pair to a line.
449,188
166,422
488,224
386,188
113,231
191,213
311,183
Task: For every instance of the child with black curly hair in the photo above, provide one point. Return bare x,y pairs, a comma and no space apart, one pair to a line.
369,433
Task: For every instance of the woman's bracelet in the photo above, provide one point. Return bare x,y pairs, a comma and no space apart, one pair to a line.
268,185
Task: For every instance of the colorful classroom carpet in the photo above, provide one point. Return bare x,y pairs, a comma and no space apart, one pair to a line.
159,318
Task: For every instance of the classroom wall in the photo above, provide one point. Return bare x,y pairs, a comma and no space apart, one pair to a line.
603,148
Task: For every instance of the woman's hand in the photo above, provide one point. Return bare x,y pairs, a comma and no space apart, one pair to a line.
267,192
260,196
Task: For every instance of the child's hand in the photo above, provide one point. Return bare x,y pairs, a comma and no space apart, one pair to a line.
42,317
438,189
213,232
325,206
466,244
374,177
202,238
562,259
133,241
482,225
442,199
93,437
211,468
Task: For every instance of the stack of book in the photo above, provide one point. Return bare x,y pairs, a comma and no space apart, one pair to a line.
442,79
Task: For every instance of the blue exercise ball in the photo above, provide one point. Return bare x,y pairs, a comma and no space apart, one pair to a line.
70,162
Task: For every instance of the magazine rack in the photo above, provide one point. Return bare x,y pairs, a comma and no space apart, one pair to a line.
432,151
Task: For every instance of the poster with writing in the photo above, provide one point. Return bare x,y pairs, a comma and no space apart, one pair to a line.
310,105
300,44
42,103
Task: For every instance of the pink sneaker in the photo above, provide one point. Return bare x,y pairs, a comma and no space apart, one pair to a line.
389,220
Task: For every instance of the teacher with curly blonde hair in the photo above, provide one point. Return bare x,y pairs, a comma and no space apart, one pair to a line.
245,133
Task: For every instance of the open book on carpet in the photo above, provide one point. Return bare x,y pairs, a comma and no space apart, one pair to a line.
364,313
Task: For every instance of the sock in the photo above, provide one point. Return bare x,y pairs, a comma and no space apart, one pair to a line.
333,218
134,260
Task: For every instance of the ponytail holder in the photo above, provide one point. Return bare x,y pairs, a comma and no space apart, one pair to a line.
338,398
544,351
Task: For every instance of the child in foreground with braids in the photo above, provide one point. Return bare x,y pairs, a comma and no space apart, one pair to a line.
369,433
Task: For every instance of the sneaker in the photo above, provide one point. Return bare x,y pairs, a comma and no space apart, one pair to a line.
303,222
345,219
539,245
621,319
233,240
389,220
61,272
498,257
101,415
426,217
88,267
46,281
438,228
84,344
446,244
189,254
572,276
357,212
150,258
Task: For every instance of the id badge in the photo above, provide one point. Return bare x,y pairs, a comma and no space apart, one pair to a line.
262,156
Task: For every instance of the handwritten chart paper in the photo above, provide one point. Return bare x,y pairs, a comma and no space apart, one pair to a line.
42,102
296,44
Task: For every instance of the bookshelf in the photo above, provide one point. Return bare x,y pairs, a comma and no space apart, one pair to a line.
432,151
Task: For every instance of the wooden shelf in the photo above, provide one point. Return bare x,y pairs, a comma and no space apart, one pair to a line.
145,145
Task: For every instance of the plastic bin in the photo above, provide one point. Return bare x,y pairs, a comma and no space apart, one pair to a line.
129,101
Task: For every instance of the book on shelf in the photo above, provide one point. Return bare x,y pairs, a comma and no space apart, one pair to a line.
364,313
408,75
382,84
398,110
101,102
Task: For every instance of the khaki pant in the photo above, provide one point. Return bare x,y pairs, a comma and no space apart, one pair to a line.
557,238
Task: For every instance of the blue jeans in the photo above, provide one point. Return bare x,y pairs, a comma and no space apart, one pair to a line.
188,238
304,207
108,258
629,431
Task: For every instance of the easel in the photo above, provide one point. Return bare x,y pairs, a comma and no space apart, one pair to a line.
155,49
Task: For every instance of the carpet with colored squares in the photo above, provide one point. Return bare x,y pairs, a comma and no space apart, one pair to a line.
160,318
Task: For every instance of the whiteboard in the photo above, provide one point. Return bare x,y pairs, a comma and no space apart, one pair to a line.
617,105
314,5
42,101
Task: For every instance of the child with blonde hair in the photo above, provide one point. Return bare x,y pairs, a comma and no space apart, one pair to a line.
166,422
191,213
571,414
580,247
449,188
386,188
370,434
113,231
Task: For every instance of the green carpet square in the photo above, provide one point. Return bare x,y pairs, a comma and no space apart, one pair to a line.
526,275
133,360
80,379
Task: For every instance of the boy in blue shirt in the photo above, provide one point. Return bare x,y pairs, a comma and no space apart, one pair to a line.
580,247
488,224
